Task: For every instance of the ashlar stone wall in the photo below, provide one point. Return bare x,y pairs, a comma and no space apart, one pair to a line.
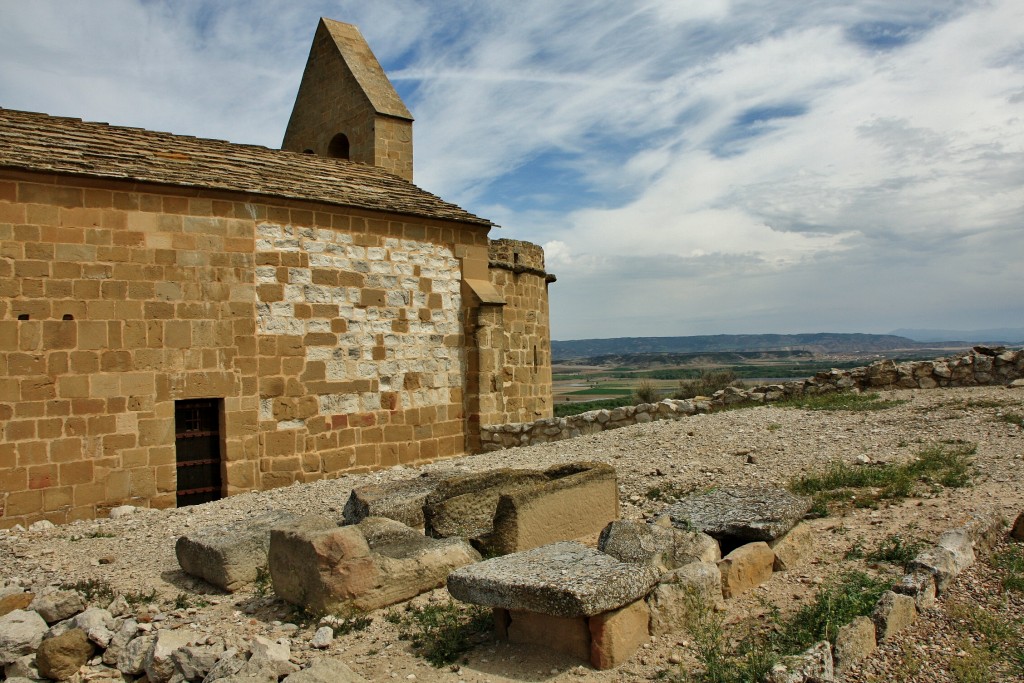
332,340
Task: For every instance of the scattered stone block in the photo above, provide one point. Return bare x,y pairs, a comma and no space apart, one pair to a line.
325,568
745,568
574,500
813,666
893,613
325,671
663,548
985,530
681,594
566,635
740,514
792,549
1017,532
123,635
564,579
464,505
229,556
60,657
942,563
854,642
401,501
919,585
616,635
21,632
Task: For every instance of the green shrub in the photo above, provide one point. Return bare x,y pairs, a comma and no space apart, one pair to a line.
441,633
707,383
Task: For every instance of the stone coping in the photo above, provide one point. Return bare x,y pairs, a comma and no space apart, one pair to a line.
564,579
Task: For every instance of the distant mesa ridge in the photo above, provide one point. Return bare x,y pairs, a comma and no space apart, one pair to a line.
823,342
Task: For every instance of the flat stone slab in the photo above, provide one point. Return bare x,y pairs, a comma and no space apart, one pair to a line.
742,514
564,579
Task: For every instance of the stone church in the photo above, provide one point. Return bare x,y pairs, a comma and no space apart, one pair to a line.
183,319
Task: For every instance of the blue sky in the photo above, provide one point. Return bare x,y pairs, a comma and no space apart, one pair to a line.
699,167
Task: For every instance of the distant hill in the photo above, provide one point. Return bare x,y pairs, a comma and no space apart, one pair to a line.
1006,335
825,342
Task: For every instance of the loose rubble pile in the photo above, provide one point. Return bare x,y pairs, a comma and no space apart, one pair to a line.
982,366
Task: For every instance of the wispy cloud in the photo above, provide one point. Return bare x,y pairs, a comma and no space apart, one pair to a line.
692,167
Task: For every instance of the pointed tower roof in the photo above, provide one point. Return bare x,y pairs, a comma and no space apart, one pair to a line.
363,65
346,107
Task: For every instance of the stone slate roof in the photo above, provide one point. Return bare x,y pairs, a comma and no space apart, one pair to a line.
50,144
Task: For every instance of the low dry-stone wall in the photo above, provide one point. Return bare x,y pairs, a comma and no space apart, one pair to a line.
982,366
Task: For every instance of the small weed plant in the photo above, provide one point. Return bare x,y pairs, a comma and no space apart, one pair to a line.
441,633
896,550
840,485
852,595
646,392
92,590
261,585
1010,563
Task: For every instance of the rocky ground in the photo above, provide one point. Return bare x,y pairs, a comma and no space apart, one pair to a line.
134,555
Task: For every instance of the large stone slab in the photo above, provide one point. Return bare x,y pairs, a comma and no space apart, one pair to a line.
564,579
229,556
464,505
740,514
401,501
575,500
664,548
326,568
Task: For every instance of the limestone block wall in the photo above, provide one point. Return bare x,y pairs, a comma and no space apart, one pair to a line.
980,367
522,384
330,338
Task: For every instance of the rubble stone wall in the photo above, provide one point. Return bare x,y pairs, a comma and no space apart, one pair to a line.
980,367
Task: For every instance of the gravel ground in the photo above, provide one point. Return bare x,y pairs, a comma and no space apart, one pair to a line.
757,446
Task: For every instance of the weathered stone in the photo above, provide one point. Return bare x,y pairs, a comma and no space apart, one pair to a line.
58,658
616,635
132,659
794,548
21,632
229,556
893,613
919,585
985,530
854,642
562,579
97,624
566,635
325,671
323,637
13,601
58,605
681,594
228,664
193,662
159,666
401,501
267,654
746,568
574,500
124,633
813,666
464,505
662,548
323,567
741,514
23,667
1017,532
944,563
